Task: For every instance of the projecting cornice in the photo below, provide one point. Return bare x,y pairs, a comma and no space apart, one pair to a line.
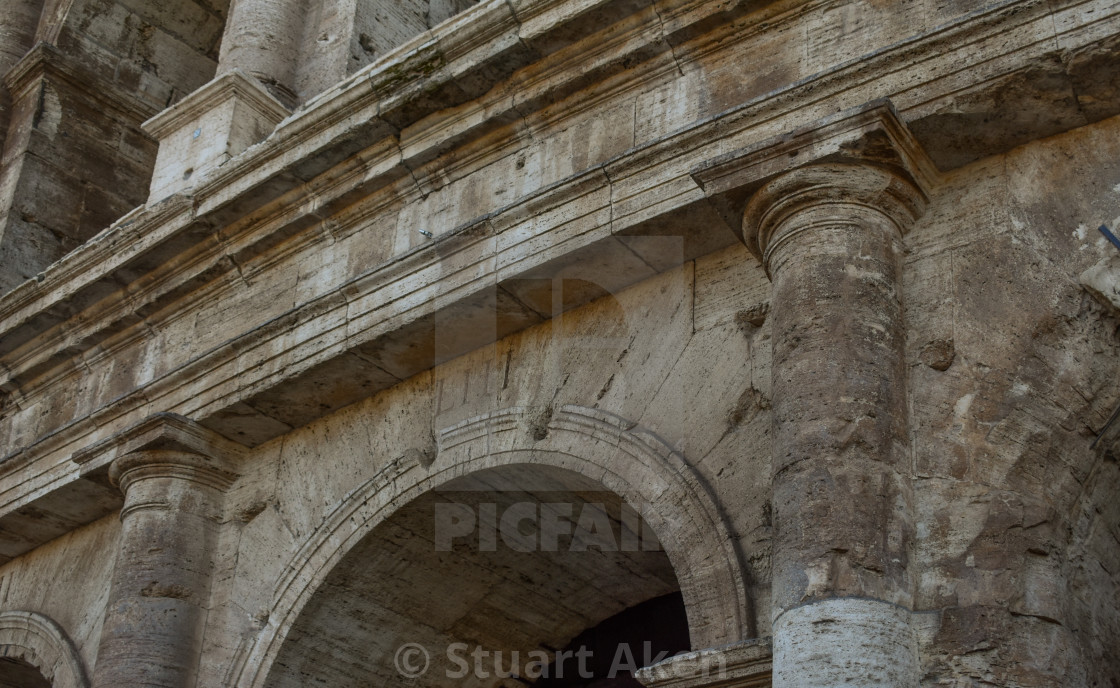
233,84
742,665
370,109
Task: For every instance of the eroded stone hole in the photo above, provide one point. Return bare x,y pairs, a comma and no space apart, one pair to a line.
476,581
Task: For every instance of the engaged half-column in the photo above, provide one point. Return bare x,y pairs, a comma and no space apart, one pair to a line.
174,475
829,236
262,39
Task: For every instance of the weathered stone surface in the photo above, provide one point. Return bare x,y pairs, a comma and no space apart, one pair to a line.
492,255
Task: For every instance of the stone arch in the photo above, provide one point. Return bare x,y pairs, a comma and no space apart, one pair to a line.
37,640
623,457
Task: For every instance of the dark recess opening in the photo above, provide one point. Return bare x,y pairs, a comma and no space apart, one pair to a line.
647,630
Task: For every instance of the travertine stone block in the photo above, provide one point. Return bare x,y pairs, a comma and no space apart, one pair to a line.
209,127
161,585
845,642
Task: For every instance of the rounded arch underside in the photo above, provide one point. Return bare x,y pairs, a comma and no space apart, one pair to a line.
610,451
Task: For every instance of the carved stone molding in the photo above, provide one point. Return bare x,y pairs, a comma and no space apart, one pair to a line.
769,217
208,128
626,458
168,463
173,474
45,61
42,643
161,432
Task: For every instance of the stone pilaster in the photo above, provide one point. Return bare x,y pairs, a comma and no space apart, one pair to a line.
74,160
826,210
173,474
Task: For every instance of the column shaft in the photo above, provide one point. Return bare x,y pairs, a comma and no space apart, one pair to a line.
156,614
841,594
262,39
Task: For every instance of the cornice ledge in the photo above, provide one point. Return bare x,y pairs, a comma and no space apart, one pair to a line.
46,59
312,130
742,665
872,134
160,432
233,84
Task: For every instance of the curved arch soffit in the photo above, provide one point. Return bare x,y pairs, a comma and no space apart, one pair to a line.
626,459
39,641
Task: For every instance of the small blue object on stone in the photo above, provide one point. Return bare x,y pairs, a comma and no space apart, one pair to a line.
1110,236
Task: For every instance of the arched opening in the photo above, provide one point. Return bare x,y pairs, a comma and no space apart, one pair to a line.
16,673
515,574
35,652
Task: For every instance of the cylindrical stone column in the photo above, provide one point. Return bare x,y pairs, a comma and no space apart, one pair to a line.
262,39
152,636
841,592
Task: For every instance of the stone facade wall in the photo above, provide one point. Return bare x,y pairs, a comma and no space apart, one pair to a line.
867,422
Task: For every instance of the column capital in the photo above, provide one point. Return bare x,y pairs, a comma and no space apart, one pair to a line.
843,192
164,445
171,463
865,155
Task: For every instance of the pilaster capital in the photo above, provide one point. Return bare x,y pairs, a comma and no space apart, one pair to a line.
164,445
45,61
862,157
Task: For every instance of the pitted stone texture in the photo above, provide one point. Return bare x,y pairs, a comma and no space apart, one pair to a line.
262,39
207,129
251,297
831,237
845,642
